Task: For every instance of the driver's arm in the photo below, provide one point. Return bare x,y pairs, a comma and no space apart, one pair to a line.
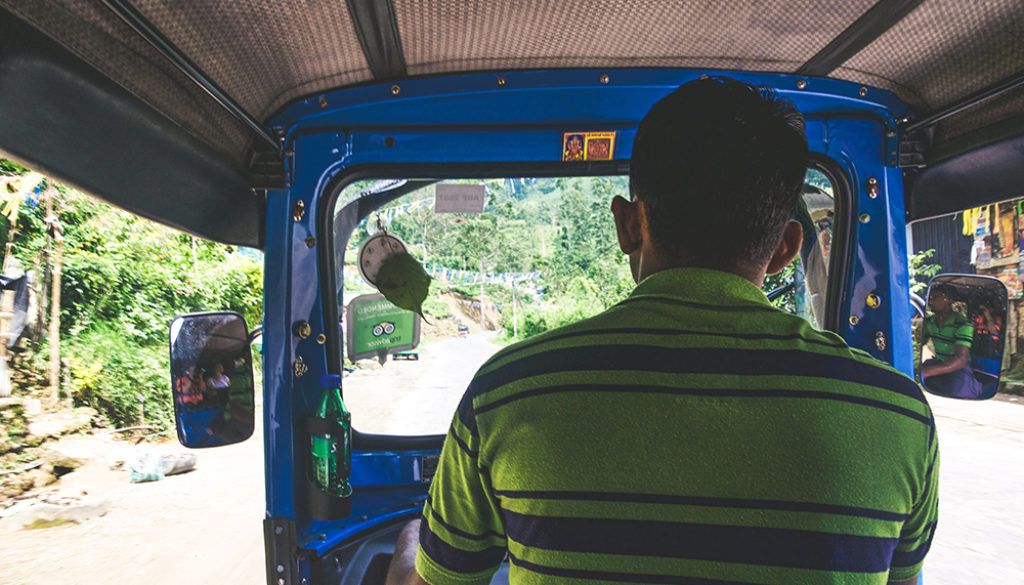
403,565
960,359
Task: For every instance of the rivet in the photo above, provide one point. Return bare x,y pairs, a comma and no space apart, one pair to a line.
603,78
299,210
389,142
501,81
323,101
863,91
278,530
300,367
310,242
321,339
302,329
874,301
880,340
280,581
801,84
854,319
872,187
280,568
395,90
864,218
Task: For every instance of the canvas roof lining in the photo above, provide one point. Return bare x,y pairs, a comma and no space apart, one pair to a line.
267,53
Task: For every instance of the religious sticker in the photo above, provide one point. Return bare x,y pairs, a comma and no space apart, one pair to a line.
588,146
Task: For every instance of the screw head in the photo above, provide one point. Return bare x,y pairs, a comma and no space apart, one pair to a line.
299,210
321,339
864,218
395,89
302,329
310,242
854,319
323,101
801,84
863,91
280,568
603,78
501,81
874,301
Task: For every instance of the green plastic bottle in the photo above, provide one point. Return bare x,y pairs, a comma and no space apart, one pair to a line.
331,454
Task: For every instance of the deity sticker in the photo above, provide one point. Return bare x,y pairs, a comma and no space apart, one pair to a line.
581,146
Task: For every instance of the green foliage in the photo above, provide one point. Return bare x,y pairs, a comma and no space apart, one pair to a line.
922,271
123,280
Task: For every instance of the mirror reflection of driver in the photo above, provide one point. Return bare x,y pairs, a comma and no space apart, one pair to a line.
951,334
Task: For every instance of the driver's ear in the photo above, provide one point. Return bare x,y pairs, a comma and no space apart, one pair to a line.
788,247
627,224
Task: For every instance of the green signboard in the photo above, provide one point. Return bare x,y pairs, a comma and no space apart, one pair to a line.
374,328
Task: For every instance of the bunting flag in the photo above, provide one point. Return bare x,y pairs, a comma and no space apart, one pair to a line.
390,213
450,275
14,190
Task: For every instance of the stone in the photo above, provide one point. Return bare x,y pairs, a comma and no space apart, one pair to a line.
368,365
42,476
72,508
56,424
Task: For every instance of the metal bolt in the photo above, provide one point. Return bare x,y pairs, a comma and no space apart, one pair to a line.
872,187
299,210
310,242
280,568
603,78
321,339
501,81
864,218
854,319
323,101
801,84
280,581
278,530
880,340
302,329
874,301
863,91
395,90
300,367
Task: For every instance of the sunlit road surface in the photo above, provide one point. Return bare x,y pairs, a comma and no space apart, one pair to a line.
980,535
205,527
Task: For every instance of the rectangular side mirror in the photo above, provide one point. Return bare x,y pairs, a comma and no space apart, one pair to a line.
960,340
212,379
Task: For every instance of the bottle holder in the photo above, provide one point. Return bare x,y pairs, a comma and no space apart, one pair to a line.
321,505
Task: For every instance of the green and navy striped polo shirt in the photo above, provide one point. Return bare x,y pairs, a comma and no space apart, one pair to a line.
692,434
957,330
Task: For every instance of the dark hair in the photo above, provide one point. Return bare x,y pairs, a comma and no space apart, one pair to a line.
944,288
719,165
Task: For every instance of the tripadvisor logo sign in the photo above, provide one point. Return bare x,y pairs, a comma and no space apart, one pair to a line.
376,328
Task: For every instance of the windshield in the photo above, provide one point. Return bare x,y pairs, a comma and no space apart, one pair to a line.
508,258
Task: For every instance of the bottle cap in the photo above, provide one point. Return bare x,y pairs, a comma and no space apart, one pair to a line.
330,381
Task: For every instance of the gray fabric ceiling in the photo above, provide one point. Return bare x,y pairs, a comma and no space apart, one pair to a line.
267,53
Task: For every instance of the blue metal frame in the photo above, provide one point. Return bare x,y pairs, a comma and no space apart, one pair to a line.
519,117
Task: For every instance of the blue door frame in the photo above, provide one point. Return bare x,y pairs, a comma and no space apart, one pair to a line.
483,119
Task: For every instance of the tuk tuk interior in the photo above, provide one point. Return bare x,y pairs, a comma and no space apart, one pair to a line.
244,123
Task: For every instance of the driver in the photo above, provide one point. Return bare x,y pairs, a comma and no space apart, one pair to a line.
693,433
951,334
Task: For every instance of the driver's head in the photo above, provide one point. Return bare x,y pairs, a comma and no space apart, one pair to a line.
717,167
941,297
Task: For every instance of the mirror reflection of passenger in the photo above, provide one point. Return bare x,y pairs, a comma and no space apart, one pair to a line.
951,334
988,332
190,386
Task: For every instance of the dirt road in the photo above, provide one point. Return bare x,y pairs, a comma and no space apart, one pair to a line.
204,527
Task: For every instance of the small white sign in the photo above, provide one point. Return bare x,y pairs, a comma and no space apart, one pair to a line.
455,198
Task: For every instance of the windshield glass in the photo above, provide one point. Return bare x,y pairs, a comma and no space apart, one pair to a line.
508,258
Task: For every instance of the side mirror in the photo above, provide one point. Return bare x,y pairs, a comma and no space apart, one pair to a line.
959,341
211,374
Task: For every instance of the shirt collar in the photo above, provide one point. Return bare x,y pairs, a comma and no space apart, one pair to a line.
702,285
